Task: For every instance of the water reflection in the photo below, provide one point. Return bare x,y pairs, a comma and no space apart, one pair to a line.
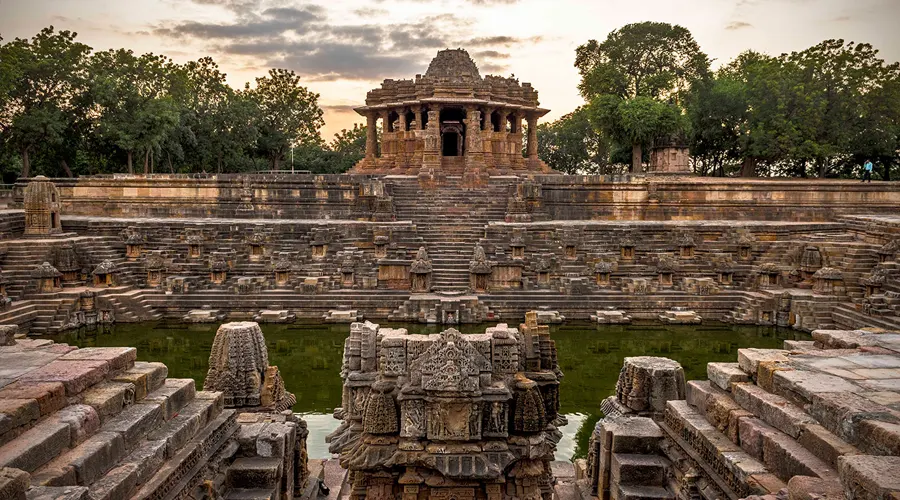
309,358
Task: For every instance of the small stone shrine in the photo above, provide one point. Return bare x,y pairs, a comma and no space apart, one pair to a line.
448,416
239,368
42,207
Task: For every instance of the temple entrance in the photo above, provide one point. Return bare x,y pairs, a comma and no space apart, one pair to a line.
453,132
451,144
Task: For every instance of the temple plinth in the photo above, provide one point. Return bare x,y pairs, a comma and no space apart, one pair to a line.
452,121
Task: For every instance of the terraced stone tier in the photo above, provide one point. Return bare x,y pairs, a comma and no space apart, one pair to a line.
95,424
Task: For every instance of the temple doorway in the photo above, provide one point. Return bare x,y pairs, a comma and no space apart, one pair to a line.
453,132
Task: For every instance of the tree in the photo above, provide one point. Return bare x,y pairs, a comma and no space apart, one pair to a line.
41,84
135,100
289,114
571,145
636,121
635,65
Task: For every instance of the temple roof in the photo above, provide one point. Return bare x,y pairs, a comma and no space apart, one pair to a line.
453,63
452,78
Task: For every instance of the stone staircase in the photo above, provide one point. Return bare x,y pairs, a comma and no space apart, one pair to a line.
776,414
450,221
94,423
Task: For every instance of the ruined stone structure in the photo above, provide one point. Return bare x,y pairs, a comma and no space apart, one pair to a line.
818,419
239,369
42,207
94,423
451,121
449,415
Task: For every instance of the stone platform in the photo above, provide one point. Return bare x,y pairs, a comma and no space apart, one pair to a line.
817,419
96,424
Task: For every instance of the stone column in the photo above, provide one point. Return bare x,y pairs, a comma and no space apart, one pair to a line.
532,151
487,137
386,138
518,160
474,159
371,135
402,114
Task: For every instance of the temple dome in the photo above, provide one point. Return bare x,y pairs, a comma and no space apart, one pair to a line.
453,63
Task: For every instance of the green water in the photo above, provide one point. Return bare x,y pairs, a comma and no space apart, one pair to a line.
309,358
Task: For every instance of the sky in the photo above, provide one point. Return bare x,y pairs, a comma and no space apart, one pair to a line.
344,48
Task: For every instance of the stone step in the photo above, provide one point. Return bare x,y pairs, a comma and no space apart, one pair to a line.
251,494
638,470
632,492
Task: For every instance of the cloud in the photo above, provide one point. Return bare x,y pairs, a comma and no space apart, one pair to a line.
371,12
303,38
737,25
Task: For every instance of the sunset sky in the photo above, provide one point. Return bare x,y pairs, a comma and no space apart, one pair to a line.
343,48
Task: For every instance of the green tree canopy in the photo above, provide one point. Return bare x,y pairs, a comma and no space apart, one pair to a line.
635,80
289,114
571,145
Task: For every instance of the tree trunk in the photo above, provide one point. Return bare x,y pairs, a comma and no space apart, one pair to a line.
65,167
130,164
151,161
748,169
169,162
637,156
823,167
147,161
219,163
26,163
887,171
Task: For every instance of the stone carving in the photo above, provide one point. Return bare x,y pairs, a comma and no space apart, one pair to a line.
106,274
443,412
66,261
239,368
480,269
48,278
420,272
42,208
889,251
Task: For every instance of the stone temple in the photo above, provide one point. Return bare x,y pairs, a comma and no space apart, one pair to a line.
450,221
451,121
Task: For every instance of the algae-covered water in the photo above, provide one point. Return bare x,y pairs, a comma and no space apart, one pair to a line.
309,358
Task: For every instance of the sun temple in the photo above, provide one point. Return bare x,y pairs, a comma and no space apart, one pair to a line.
450,221
452,121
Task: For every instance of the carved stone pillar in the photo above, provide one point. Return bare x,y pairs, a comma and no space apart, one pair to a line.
371,135
387,138
474,174
421,117
532,151
515,143
487,137
402,114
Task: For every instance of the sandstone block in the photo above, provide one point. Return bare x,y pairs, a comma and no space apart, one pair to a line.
216,400
824,444
135,422
50,396
843,412
17,413
647,470
58,493
879,438
178,431
83,422
713,402
814,488
774,410
109,398
13,483
254,473
17,364
799,386
136,468
146,377
87,462
632,434
867,477
252,494
76,376
799,345
118,358
36,446
174,394
748,359
725,374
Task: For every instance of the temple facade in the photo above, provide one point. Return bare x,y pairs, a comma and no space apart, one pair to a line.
452,121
